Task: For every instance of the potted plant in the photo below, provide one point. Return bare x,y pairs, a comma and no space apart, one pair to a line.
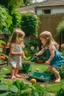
26,65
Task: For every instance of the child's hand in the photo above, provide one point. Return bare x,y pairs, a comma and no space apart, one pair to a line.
47,62
36,54
24,57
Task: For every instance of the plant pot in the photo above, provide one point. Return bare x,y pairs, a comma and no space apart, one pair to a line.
25,66
39,61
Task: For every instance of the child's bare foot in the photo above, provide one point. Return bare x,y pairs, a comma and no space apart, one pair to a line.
18,76
57,80
13,77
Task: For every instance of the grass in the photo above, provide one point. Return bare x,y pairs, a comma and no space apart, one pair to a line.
41,67
54,87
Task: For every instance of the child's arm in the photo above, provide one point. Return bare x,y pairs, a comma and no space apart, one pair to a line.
40,52
24,56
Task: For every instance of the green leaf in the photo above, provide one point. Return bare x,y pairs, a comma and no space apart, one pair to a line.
3,88
17,83
14,89
5,94
2,42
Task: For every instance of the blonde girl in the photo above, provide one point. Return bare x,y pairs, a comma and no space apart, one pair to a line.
16,52
54,58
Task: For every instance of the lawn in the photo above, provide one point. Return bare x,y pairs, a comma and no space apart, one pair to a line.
41,67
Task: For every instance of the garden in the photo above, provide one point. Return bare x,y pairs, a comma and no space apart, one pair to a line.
32,82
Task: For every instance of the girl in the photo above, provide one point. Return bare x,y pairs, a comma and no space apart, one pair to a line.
54,58
16,52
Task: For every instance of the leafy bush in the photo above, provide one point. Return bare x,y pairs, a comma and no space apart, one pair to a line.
60,32
18,88
27,52
60,92
5,20
11,4
29,24
16,18
34,43
60,28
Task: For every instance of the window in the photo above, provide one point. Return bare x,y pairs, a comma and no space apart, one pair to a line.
47,11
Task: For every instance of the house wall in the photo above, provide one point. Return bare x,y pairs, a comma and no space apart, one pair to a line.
54,10
57,10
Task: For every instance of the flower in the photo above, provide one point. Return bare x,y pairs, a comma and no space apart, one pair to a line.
62,45
1,46
32,48
2,57
37,48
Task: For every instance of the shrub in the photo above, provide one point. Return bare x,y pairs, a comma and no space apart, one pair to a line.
60,92
11,4
29,24
16,18
60,28
5,20
18,88
60,31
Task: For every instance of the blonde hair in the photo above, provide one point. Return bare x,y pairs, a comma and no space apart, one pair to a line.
50,40
17,33
20,32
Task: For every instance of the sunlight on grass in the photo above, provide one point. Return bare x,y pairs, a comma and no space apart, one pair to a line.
54,87
41,67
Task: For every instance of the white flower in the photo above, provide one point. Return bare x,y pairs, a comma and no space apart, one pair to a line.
37,48
32,47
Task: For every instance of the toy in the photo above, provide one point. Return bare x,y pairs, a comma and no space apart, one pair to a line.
41,76
32,60
33,80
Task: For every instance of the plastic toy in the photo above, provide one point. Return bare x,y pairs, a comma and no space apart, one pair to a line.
32,60
41,76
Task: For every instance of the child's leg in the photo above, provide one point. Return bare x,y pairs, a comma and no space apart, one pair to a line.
54,70
13,73
16,73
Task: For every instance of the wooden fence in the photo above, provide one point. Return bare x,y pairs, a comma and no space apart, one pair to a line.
50,22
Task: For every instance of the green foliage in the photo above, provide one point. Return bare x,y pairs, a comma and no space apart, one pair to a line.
5,20
29,24
26,2
61,71
18,88
14,4
11,4
4,2
27,52
16,18
60,92
2,42
60,28
34,43
26,42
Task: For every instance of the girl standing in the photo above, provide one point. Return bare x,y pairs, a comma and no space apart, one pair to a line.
54,58
16,52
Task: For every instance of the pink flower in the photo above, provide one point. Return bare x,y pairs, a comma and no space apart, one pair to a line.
62,45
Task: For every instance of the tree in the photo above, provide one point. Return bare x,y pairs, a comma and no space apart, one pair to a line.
26,2
11,4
